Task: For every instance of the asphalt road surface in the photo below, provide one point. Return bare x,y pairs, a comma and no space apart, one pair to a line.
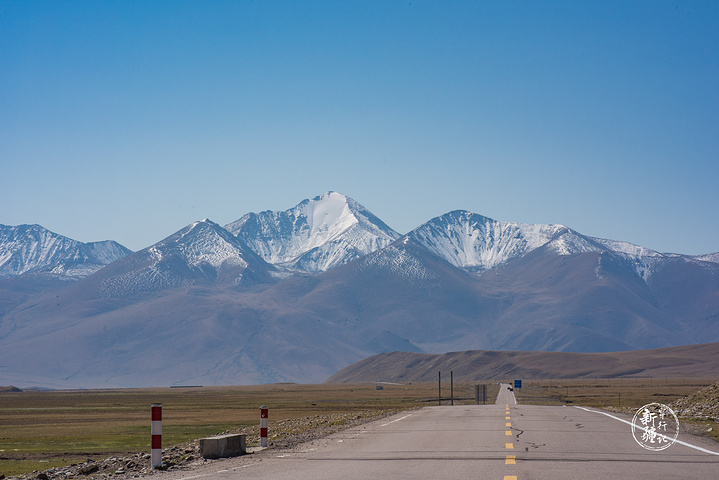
505,441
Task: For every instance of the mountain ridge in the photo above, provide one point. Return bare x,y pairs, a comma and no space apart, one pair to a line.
33,249
701,360
202,306
316,235
301,239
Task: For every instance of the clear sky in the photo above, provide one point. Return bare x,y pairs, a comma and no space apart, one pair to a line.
129,120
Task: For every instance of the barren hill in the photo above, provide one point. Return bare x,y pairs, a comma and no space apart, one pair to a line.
475,365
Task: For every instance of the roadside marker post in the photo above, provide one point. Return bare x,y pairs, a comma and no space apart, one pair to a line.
263,426
156,436
439,388
451,386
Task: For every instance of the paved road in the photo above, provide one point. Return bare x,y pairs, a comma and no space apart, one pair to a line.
503,441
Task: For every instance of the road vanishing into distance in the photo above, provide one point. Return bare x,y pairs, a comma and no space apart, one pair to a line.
505,441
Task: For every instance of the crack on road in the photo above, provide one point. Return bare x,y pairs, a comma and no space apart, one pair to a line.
535,445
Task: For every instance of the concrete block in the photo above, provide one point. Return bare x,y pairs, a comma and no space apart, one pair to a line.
223,446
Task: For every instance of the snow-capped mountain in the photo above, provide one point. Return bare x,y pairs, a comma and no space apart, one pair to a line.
33,249
316,235
476,243
201,252
206,305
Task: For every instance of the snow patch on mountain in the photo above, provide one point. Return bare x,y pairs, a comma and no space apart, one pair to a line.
644,261
34,249
476,243
199,251
398,262
709,257
151,279
314,236
202,243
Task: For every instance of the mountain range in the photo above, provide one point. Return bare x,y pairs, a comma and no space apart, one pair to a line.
297,295
32,249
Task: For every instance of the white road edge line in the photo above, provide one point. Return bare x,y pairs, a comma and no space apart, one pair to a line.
396,420
629,423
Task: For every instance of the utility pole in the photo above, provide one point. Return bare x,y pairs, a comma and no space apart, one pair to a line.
451,386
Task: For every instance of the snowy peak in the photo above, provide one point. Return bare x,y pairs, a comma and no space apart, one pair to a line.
202,252
202,243
33,249
476,243
316,235
328,217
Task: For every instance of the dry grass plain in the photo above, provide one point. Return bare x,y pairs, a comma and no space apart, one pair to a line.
621,393
43,429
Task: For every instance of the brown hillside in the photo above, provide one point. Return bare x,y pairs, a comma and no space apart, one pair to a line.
474,365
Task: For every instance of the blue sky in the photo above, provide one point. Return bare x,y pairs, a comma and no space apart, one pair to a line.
129,120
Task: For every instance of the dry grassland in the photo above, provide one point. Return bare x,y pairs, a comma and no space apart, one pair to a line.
42,429
625,393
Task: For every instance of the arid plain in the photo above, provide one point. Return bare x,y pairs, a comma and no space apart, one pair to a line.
44,429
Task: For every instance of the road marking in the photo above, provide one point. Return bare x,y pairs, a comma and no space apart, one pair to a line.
396,420
511,460
508,433
629,423
508,424
510,477
506,418
215,473
509,445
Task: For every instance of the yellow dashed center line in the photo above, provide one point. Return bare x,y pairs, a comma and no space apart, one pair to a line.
511,459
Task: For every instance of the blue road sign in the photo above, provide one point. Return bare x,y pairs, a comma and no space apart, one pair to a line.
517,384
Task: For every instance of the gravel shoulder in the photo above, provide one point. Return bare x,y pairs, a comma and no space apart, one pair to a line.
283,434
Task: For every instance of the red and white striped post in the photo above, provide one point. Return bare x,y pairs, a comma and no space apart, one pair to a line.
263,426
156,432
